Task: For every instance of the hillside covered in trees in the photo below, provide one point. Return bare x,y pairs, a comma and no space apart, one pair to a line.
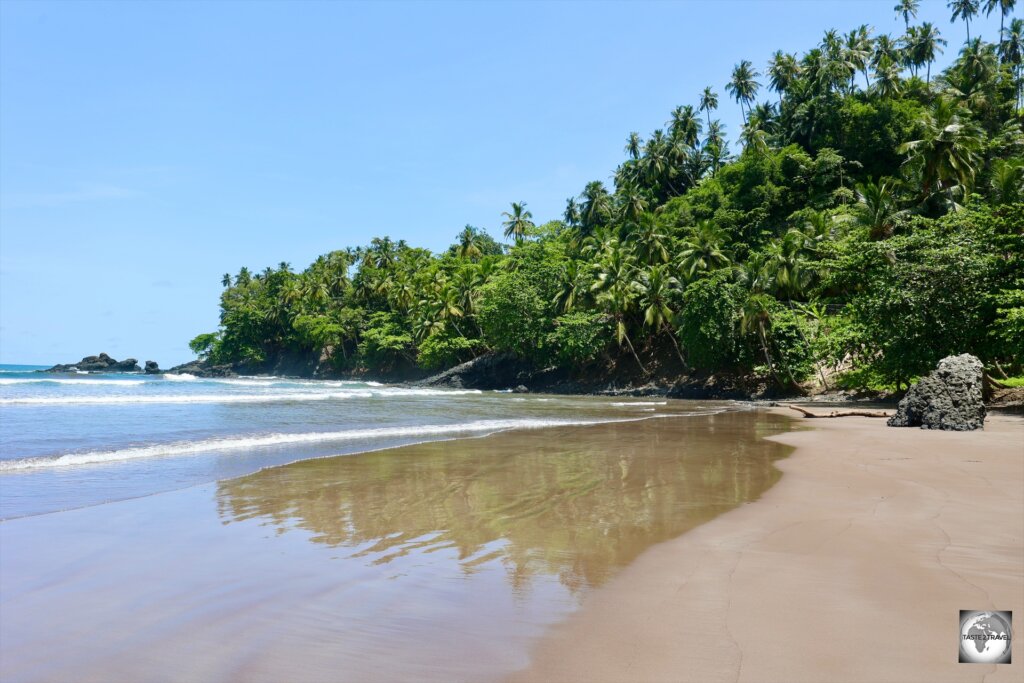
865,222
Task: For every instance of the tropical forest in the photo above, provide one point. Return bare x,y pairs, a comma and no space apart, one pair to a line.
865,222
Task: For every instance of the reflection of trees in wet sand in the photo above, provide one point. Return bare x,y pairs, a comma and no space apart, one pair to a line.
576,503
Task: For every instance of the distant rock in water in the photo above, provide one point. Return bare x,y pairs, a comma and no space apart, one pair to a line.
100,363
152,368
201,368
948,398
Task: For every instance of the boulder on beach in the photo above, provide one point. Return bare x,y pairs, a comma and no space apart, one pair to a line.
100,363
949,398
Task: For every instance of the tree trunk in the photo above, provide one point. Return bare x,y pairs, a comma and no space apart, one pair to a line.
633,351
767,354
675,343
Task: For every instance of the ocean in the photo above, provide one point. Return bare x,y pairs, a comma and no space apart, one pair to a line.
69,441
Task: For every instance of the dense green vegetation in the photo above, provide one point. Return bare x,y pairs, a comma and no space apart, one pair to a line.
871,222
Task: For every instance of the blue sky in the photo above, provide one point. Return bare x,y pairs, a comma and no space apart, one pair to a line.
146,147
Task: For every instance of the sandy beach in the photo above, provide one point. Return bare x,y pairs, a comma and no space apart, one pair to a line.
852,568
657,550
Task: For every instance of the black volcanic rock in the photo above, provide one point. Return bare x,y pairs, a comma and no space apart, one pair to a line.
489,371
201,368
100,363
948,398
152,368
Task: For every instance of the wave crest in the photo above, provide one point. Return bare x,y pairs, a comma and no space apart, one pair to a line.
282,439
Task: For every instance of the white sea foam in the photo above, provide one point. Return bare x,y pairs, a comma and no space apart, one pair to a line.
82,382
182,448
640,403
269,397
183,377
180,398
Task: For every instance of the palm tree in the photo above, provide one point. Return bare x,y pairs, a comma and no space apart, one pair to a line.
654,287
633,203
743,86
382,253
708,102
947,155
693,164
401,294
877,207
783,70
572,212
783,269
756,315
715,147
705,249
858,52
963,9
684,125
649,243
927,46
908,9
716,132
596,208
1011,49
616,294
834,71
886,48
570,287
1008,181
225,280
971,79
887,78
518,221
1005,7
469,243
633,145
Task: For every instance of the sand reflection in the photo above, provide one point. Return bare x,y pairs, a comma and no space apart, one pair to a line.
573,503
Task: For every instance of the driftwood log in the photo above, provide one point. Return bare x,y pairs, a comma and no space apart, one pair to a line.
848,413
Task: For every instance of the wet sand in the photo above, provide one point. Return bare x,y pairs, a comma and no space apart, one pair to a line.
444,561
853,568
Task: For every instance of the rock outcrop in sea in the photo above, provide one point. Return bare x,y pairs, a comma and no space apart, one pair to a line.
152,368
949,398
100,363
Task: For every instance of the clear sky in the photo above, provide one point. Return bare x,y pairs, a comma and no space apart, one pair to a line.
148,147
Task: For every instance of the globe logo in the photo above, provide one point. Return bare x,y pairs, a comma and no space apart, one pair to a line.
985,637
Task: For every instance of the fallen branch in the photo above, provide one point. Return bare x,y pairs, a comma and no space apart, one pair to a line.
849,413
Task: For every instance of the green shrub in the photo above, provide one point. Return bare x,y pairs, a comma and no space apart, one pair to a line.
709,320
579,338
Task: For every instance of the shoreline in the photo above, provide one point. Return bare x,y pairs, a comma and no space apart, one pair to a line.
853,567
698,386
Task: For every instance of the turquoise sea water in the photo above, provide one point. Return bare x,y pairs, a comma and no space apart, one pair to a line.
75,440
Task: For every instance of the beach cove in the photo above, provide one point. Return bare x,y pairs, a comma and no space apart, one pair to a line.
662,549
